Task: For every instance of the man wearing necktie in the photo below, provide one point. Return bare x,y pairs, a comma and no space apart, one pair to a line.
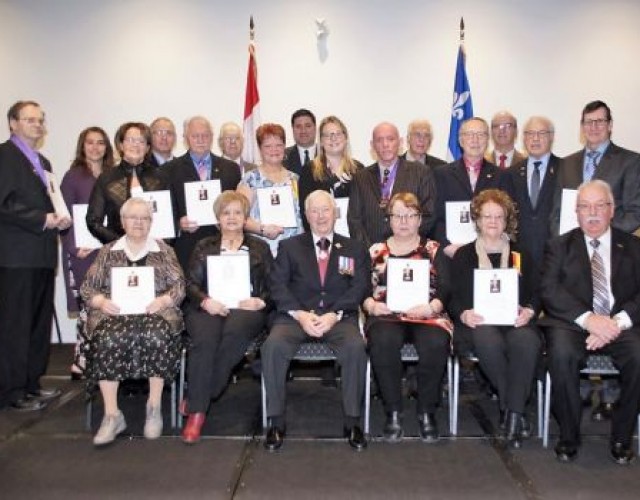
591,295
504,132
317,284
28,257
303,124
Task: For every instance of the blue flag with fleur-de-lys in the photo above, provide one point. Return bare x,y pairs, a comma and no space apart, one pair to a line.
462,108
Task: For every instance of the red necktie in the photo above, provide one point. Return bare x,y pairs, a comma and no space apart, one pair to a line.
503,161
323,258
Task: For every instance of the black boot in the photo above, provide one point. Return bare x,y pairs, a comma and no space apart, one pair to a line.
514,426
428,427
392,431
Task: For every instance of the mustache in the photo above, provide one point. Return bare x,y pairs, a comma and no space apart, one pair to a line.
593,218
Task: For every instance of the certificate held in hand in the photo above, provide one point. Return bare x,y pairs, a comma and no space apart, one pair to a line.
132,288
228,278
568,216
495,295
53,189
276,206
162,225
200,197
84,239
460,228
341,227
407,283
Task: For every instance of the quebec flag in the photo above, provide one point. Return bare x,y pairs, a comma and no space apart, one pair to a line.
462,108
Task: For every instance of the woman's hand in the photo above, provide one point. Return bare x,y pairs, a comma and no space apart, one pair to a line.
471,318
419,312
83,253
159,303
271,231
252,304
105,305
214,307
375,308
525,314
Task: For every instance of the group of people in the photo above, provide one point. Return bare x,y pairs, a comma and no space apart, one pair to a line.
308,281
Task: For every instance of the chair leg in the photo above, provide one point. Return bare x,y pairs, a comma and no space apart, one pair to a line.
182,375
456,394
367,397
450,391
540,386
547,410
638,433
264,404
174,405
89,413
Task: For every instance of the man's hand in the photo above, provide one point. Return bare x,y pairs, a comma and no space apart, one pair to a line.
309,323
64,223
187,225
524,316
602,330
470,318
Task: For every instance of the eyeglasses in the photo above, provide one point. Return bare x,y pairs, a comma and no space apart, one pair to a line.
231,138
598,123
585,208
136,218
134,140
405,217
503,126
421,136
474,135
542,134
33,121
163,132
333,135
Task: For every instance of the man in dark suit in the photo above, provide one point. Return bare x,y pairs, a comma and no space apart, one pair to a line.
163,140
602,159
231,142
504,132
373,187
534,181
591,296
419,137
318,282
466,177
198,163
303,124
28,255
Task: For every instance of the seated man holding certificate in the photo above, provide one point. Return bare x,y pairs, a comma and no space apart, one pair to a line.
228,306
410,289
133,291
318,282
502,329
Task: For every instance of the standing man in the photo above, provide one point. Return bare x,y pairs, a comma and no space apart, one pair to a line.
534,181
373,187
197,164
419,137
318,282
231,142
504,132
28,256
303,124
163,140
590,290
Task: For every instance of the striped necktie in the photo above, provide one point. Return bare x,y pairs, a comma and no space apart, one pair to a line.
599,278
592,163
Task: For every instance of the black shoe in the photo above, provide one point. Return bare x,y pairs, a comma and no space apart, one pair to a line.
392,431
566,451
428,427
525,427
513,432
355,438
45,394
621,454
502,423
275,438
602,412
27,404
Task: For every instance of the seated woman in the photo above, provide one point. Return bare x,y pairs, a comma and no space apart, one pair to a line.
220,335
123,346
508,355
426,324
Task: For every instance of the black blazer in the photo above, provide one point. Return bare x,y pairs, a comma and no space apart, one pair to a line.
292,159
24,205
295,280
367,221
620,168
430,161
182,170
534,227
453,184
566,286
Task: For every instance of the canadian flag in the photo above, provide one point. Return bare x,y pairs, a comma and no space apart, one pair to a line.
250,151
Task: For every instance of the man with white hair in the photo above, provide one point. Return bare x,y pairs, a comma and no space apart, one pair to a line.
231,141
419,137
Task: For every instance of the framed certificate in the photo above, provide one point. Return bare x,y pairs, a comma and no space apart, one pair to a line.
495,295
460,227
407,283
53,189
341,227
200,197
276,206
84,239
160,201
228,279
568,215
132,288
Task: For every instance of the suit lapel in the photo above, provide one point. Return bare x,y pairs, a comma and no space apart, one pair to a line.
459,172
617,252
310,260
485,177
373,179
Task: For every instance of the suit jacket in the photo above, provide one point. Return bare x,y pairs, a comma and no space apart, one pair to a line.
295,279
24,204
292,159
367,221
453,184
493,157
430,161
566,286
182,170
534,227
620,168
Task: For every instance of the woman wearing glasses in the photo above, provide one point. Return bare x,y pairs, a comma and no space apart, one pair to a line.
508,355
425,324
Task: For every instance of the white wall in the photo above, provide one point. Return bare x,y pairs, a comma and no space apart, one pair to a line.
103,62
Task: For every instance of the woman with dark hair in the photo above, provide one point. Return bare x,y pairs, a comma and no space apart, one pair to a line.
131,177
508,355
94,155
333,168
271,173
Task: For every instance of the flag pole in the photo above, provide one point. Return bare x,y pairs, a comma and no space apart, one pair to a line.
250,151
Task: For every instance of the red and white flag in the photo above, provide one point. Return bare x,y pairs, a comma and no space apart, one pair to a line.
250,151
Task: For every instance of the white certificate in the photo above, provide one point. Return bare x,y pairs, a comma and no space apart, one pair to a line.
84,238
341,226
53,189
162,226
460,227
200,196
407,283
568,215
132,288
228,278
495,295
276,206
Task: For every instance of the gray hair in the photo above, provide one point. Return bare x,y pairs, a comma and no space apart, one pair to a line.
136,201
599,183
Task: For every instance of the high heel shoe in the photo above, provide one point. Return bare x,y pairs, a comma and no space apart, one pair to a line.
193,428
514,425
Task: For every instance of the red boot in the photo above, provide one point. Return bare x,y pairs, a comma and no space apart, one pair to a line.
191,431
